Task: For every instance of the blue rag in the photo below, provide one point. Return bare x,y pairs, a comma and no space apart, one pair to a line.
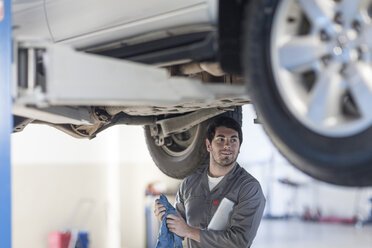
167,239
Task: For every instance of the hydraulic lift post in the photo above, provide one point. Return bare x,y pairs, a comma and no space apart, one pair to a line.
5,123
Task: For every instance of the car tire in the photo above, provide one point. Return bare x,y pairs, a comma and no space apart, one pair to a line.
188,150
321,152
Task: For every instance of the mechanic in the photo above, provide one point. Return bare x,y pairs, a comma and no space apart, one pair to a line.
200,194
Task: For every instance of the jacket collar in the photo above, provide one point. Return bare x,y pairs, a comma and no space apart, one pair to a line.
228,177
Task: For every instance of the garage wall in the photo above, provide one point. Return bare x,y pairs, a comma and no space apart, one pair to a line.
58,183
53,198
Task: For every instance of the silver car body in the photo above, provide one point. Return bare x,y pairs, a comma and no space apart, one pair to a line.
91,23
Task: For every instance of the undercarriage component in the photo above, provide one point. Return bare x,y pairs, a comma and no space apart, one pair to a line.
164,128
55,114
195,46
193,68
66,128
19,123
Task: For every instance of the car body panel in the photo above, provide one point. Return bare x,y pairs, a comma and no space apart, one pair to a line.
29,19
93,22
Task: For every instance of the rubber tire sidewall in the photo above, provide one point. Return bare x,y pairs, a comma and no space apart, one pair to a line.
179,166
343,161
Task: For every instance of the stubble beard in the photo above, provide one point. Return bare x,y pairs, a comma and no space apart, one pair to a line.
224,162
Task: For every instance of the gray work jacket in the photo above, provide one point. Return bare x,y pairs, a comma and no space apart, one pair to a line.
197,205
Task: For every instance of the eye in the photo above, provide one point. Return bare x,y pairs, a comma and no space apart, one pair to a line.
220,140
234,140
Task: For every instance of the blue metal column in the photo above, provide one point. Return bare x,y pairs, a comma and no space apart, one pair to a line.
5,123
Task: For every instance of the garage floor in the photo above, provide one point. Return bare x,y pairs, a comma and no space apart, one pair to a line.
298,234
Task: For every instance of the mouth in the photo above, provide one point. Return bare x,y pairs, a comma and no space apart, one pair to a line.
226,153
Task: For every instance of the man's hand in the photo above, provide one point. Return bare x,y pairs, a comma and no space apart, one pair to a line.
159,210
177,225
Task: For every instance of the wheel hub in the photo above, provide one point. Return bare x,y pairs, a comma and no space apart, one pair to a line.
347,47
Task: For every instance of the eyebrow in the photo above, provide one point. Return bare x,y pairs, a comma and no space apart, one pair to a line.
221,135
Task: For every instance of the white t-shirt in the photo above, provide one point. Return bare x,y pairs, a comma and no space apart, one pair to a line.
213,181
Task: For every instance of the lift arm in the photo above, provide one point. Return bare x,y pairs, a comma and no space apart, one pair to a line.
58,84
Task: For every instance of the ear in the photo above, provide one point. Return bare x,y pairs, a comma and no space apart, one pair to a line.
208,145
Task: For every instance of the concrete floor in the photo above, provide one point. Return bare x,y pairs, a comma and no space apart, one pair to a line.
298,234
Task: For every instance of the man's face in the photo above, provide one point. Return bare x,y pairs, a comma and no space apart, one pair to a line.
224,148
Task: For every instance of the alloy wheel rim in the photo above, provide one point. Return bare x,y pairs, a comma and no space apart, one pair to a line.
321,54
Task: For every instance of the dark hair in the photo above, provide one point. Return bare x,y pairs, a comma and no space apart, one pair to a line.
224,121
